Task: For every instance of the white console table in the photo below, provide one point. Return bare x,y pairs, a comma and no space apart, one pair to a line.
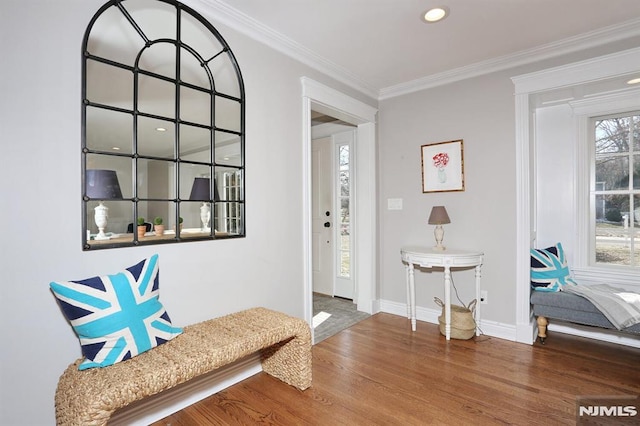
427,257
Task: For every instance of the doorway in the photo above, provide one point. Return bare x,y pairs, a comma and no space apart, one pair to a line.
325,100
332,223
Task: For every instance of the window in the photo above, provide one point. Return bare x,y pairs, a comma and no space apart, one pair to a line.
615,190
344,192
163,114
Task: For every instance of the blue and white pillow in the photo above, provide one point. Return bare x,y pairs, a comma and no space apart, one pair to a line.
118,316
549,269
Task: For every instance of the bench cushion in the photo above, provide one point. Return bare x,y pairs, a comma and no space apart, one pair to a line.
572,308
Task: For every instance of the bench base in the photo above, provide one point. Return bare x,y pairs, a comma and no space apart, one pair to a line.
90,397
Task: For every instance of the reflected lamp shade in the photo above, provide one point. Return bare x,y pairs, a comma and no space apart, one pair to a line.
438,217
103,185
200,190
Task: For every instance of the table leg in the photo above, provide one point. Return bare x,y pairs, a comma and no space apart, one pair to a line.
477,317
406,281
412,298
447,302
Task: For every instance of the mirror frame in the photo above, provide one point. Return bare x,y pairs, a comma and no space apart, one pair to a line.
228,202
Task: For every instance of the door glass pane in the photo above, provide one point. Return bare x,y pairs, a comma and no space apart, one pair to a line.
344,245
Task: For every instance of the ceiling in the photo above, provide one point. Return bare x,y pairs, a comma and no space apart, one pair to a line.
380,46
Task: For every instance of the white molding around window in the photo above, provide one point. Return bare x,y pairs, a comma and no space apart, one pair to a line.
584,110
528,86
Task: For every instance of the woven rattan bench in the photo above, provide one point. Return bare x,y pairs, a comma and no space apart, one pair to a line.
91,396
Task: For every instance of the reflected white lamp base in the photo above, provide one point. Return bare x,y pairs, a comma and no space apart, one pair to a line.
205,216
101,215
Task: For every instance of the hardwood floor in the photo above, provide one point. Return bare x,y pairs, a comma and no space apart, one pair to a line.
378,372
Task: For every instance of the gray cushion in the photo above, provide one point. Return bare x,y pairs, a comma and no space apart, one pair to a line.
572,308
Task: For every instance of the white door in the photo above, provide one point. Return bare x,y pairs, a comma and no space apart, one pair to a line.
322,221
343,230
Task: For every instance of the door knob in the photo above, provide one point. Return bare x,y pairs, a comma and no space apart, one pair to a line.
327,224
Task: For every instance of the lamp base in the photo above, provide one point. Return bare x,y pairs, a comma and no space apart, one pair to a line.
101,215
205,216
439,234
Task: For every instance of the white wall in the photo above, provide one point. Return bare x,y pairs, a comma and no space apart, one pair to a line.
480,111
41,238
40,122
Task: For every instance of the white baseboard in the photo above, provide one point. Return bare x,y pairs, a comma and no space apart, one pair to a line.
159,406
510,332
489,328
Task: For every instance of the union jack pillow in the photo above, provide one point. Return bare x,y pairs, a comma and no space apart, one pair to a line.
549,269
118,316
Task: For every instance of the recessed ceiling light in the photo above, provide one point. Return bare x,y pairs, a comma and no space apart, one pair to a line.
161,129
634,81
115,148
435,14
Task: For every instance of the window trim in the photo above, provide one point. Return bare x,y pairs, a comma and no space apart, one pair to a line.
584,111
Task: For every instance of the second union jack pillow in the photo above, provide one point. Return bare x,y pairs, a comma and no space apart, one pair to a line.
118,316
549,269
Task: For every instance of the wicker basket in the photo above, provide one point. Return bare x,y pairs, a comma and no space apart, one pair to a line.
463,325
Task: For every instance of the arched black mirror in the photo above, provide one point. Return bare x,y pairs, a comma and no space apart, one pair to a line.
162,128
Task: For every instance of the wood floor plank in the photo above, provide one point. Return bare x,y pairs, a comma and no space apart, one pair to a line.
378,372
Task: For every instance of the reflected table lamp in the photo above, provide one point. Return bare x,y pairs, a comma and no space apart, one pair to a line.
200,191
439,217
102,185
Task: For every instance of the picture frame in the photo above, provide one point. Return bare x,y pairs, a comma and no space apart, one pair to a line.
443,166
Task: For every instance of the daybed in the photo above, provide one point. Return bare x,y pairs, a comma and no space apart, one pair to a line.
572,308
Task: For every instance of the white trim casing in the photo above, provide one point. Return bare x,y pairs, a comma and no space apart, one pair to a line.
328,100
525,234
526,86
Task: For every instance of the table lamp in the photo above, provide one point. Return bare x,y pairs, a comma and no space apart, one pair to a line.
200,191
439,217
102,185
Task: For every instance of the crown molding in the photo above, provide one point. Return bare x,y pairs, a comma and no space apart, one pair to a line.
625,62
221,12
547,51
225,14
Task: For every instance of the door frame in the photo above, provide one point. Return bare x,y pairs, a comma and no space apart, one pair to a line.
324,99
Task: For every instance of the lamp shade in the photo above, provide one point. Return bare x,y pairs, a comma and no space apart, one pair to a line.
438,216
103,185
200,190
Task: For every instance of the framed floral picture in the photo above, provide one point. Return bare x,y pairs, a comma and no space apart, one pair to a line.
443,167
